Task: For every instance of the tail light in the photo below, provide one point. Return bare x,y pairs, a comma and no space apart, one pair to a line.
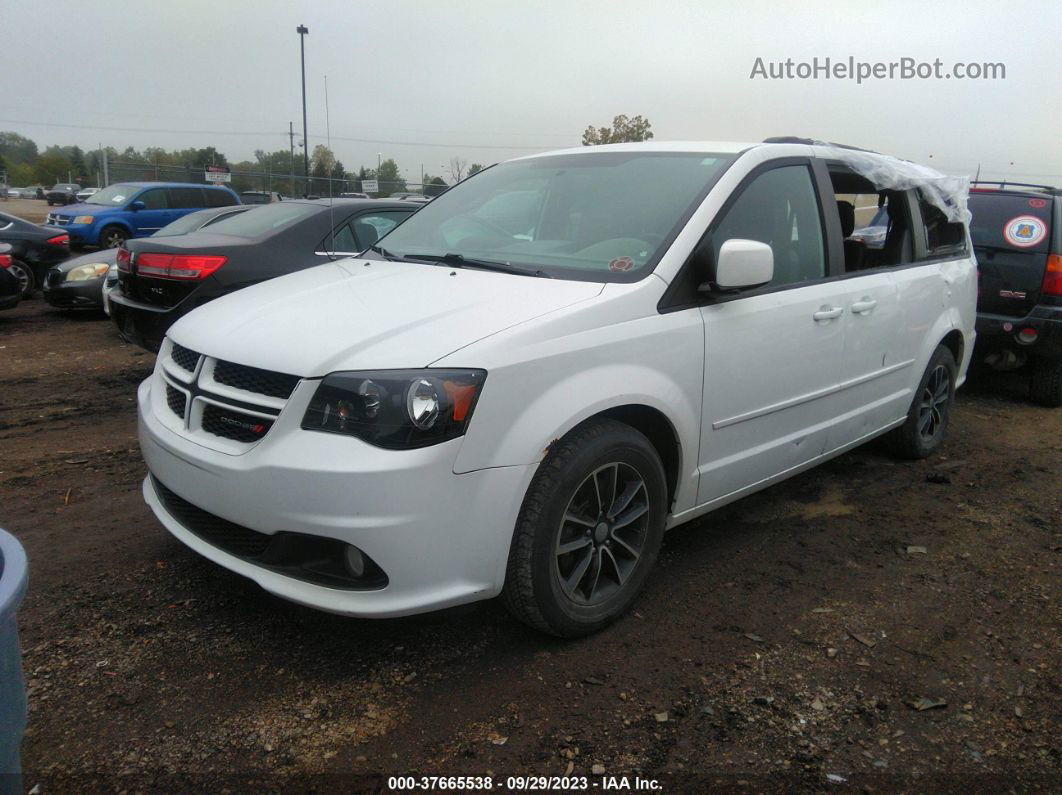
188,267
58,240
5,260
1053,276
124,260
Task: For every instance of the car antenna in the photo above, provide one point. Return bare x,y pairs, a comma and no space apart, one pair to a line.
331,211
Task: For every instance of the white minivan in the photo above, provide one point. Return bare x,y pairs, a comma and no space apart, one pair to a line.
522,386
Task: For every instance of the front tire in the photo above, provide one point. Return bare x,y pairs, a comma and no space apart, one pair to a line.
1045,385
112,237
24,273
927,420
589,530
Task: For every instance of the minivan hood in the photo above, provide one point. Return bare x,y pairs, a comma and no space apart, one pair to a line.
366,314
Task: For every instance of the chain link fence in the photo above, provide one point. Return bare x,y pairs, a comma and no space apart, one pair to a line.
119,171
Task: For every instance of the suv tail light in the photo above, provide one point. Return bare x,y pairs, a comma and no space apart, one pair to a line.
1053,276
191,267
124,260
5,260
58,240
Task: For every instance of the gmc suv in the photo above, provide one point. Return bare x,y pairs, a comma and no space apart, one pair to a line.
1017,237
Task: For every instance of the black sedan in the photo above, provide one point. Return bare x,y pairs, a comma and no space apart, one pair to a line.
63,193
10,287
34,249
78,282
159,281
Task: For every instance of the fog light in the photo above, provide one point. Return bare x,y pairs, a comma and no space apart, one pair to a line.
1027,336
355,561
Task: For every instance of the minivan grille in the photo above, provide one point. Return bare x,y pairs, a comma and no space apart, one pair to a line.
205,405
251,379
184,358
175,400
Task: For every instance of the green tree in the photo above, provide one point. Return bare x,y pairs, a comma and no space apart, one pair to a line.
435,186
17,149
77,164
475,168
51,167
390,178
21,175
623,130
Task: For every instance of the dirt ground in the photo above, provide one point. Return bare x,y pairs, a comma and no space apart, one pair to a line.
33,210
872,625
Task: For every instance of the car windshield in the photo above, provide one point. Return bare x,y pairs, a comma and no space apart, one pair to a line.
264,219
596,216
112,194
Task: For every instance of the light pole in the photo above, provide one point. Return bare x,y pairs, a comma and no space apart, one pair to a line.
302,30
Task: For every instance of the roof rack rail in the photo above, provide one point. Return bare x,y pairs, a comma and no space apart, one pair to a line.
1008,184
792,139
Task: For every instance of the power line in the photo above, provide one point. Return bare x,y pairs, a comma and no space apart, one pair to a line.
385,141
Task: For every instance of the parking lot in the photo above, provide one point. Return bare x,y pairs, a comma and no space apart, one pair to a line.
894,625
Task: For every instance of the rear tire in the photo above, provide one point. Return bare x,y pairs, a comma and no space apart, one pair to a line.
927,420
1045,385
24,273
112,237
589,530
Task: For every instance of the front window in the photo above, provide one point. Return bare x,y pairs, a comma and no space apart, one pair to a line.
113,195
596,216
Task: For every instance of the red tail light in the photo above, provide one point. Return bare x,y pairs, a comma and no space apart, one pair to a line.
58,240
192,267
124,259
5,260
1053,276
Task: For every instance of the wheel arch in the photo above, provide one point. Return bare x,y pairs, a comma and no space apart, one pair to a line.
658,429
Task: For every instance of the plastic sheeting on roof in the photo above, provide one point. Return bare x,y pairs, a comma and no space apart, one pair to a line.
949,194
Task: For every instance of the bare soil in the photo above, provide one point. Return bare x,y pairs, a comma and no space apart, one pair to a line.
783,643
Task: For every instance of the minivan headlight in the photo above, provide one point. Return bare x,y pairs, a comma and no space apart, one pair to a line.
396,409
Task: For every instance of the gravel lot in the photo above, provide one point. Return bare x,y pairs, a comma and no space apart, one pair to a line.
891,624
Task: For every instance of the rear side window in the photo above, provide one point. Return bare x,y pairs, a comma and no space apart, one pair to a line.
219,198
184,198
1010,221
943,238
779,208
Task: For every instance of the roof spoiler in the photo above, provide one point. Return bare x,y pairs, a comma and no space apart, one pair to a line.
1009,184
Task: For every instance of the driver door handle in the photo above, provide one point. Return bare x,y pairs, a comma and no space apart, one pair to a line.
828,312
864,306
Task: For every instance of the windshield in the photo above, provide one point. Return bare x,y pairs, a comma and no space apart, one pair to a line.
596,216
113,195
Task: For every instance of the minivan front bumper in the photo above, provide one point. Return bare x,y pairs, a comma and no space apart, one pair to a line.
441,539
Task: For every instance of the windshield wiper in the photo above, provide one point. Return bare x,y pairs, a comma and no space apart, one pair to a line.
461,261
383,252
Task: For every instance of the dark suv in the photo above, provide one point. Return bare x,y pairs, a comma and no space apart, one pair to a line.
63,193
1017,237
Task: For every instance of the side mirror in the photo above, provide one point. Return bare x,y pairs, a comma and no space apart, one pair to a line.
742,265
137,206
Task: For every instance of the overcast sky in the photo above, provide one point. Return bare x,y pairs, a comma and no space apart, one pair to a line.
491,79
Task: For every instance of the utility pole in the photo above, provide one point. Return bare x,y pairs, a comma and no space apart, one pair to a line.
291,137
302,30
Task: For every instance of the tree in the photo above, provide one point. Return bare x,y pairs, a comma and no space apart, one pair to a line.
457,168
17,149
435,186
623,130
390,178
322,161
51,167
475,168
77,164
